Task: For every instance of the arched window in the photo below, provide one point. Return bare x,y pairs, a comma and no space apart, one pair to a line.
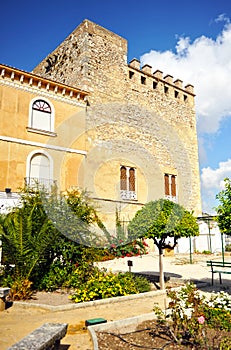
132,180
41,115
123,178
39,170
127,183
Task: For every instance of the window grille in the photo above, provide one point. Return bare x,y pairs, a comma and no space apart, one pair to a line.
127,183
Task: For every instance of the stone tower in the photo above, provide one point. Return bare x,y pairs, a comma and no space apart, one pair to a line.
136,119
91,57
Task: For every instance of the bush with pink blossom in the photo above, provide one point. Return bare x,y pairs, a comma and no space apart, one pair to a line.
190,315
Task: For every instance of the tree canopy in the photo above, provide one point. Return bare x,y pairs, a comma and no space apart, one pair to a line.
224,208
163,219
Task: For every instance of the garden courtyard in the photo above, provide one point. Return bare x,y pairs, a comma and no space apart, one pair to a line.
23,317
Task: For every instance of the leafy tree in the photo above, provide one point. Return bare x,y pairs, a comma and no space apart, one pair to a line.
163,220
224,209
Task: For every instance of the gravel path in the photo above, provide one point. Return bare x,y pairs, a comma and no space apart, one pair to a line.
20,319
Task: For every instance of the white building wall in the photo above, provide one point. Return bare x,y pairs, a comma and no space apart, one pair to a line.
8,201
209,239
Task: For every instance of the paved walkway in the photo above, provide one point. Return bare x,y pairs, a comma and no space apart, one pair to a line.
19,320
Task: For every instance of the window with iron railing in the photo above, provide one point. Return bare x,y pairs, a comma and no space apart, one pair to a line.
170,189
39,182
39,170
128,183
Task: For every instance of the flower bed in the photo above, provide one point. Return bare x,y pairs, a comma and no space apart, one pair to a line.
191,321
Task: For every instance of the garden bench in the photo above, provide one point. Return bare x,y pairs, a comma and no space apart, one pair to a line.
3,294
219,267
46,337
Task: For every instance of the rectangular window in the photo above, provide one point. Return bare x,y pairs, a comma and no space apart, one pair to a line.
154,85
143,80
131,74
170,190
166,89
128,183
166,185
176,93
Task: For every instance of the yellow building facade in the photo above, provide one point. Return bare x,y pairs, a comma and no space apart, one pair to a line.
33,124
85,117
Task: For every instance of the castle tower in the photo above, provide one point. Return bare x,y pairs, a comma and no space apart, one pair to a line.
140,126
91,57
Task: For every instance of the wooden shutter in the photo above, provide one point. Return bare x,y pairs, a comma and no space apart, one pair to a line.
173,186
166,185
123,178
132,180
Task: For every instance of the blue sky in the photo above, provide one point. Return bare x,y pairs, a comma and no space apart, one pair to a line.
189,40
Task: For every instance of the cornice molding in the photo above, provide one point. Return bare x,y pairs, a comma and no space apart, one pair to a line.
32,83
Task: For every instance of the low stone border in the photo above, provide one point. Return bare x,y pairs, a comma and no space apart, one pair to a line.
127,325
46,337
86,304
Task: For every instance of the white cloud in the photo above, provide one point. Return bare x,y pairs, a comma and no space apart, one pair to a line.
213,178
212,182
222,18
205,63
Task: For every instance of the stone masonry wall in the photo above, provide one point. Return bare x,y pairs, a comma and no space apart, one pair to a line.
145,118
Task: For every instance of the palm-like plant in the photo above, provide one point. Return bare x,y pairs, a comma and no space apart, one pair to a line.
23,248
44,230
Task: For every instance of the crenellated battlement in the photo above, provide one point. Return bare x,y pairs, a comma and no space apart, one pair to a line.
95,59
155,81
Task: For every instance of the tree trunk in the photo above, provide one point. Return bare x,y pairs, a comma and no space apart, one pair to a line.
161,268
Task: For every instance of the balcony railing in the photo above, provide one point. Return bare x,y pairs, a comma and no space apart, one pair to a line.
172,198
34,182
129,195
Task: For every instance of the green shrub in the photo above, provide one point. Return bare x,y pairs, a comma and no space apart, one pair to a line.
190,315
67,275
34,246
225,344
81,275
206,252
228,248
104,284
142,284
218,311
55,278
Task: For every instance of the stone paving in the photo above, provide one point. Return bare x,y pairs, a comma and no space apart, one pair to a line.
22,318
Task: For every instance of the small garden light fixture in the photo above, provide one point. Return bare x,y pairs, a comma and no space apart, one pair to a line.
130,264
